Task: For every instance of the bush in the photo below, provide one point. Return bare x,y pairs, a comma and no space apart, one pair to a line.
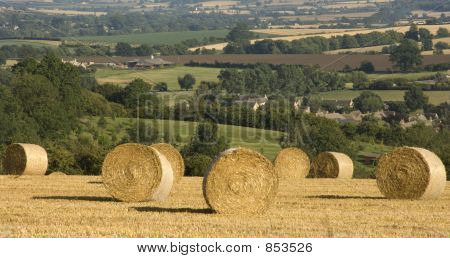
197,164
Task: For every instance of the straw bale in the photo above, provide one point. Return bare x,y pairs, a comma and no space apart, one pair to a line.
411,173
240,181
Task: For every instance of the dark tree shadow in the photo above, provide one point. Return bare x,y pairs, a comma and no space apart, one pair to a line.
95,182
76,198
345,197
174,210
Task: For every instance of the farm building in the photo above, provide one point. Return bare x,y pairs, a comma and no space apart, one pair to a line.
150,63
253,103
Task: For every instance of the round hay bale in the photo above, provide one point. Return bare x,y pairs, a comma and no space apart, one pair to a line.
410,173
57,173
240,181
292,163
134,172
174,157
332,165
25,159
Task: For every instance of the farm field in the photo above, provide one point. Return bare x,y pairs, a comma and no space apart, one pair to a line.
302,31
435,97
79,206
31,42
168,75
264,141
409,76
432,28
154,38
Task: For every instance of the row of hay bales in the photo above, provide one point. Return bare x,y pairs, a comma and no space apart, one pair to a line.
241,180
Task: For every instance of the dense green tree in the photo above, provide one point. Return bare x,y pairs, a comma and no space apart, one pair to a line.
412,33
359,80
406,56
367,67
144,131
197,164
316,134
124,49
368,101
241,32
186,82
415,99
206,141
442,33
161,86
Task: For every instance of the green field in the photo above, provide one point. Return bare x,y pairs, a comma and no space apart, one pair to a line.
168,75
264,141
409,76
435,97
154,38
34,43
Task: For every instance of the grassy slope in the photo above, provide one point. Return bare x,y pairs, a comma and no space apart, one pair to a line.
156,37
264,141
168,75
435,97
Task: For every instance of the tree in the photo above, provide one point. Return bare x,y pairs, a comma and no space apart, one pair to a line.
367,67
186,82
359,80
406,56
315,135
124,49
206,141
442,33
440,46
368,101
197,164
161,87
144,131
414,98
413,33
240,33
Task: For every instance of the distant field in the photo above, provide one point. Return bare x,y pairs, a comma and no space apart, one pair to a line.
435,97
327,17
295,32
31,42
379,48
432,28
67,12
168,75
154,38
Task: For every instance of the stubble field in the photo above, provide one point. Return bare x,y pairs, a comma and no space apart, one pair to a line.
79,206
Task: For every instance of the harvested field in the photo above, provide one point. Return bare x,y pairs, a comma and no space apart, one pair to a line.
67,12
31,42
429,13
296,32
329,62
78,206
327,17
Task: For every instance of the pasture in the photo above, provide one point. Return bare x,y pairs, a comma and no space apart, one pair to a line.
435,97
168,75
79,206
